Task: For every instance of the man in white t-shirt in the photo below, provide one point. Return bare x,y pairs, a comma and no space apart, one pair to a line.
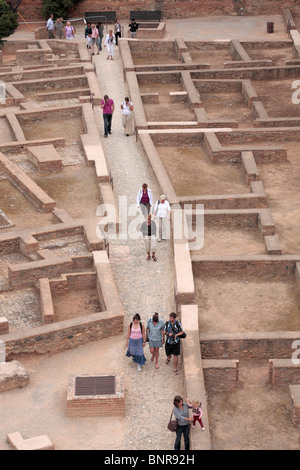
162,211
50,28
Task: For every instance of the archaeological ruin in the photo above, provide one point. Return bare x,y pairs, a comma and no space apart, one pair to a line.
217,127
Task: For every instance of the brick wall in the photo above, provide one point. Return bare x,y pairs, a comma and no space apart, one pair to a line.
31,9
63,335
248,346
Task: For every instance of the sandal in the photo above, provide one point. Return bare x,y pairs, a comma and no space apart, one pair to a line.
176,372
148,258
154,258
168,360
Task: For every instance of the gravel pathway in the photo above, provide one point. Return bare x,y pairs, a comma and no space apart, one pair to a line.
144,287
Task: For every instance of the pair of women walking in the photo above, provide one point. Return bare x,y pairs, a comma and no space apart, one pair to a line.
137,337
156,332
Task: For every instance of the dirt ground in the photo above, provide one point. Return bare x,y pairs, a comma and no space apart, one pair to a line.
76,304
220,240
192,173
78,180
278,55
253,417
232,304
276,96
165,110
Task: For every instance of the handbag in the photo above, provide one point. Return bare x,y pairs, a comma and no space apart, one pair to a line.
172,425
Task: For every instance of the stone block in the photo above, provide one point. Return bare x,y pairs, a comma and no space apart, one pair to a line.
35,443
4,326
12,375
45,158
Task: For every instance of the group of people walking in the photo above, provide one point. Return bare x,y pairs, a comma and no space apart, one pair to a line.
108,107
155,227
157,333
57,30
94,34
161,211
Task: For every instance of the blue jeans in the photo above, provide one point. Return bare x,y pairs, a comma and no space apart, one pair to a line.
107,123
185,430
100,43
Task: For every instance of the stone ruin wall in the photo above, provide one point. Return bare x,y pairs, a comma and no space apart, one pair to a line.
31,10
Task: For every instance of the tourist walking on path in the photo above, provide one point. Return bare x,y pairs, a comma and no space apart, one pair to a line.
148,229
197,412
95,39
181,412
144,199
127,116
154,333
162,211
117,30
135,341
101,34
108,107
133,27
69,31
172,332
109,43
88,34
58,29
50,28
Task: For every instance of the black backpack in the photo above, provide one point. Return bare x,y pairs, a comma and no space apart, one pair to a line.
141,326
177,324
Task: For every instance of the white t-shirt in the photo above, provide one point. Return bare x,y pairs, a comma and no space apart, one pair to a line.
126,107
162,209
50,24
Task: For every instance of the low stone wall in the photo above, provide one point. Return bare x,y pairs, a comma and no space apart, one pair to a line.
27,185
151,30
4,326
43,73
193,373
257,265
65,335
251,345
253,73
221,375
283,372
12,375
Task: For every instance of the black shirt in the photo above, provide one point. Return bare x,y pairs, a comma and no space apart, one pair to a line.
133,27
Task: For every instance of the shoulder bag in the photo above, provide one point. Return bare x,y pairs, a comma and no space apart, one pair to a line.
172,425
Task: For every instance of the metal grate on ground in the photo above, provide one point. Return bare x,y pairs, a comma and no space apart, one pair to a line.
97,385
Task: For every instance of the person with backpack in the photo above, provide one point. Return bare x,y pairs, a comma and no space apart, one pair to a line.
154,333
172,332
135,341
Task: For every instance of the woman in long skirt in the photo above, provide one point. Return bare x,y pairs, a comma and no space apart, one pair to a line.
127,116
135,342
